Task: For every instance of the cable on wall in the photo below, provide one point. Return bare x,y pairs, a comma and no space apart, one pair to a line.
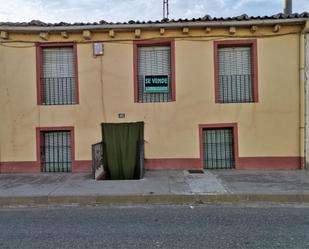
102,89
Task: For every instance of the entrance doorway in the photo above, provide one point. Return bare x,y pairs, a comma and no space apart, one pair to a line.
123,153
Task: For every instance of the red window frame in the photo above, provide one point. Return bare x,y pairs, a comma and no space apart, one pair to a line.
150,43
39,66
254,64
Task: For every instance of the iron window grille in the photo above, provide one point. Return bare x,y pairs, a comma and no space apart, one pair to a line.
218,147
58,81
56,151
152,61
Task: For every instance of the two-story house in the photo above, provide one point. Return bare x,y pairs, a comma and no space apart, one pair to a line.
212,92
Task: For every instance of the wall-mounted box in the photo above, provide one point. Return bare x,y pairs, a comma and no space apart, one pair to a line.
98,48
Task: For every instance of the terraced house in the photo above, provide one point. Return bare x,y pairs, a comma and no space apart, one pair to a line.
211,92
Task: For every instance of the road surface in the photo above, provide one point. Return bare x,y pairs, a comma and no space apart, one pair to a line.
205,226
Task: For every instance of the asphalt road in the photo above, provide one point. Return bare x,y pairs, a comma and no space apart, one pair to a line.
213,226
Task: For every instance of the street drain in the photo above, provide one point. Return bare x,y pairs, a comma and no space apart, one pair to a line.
196,171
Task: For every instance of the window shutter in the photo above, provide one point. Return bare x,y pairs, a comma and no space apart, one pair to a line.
153,61
58,76
235,75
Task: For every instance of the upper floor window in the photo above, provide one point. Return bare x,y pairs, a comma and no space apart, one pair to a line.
154,70
236,71
57,74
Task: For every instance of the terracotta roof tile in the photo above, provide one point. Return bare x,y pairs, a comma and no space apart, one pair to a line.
243,17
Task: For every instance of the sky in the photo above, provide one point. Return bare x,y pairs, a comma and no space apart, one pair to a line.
143,10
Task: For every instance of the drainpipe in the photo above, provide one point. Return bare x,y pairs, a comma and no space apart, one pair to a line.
306,82
302,91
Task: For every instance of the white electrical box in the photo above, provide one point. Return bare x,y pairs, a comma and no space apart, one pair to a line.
98,48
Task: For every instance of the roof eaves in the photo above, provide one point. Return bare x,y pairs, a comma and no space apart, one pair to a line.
207,20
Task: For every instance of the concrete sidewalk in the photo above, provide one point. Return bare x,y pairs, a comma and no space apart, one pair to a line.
168,186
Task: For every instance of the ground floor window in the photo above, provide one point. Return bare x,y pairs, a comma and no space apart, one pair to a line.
218,148
56,151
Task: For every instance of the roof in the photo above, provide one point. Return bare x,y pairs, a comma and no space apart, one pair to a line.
206,18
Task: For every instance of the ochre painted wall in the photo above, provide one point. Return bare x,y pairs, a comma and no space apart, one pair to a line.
269,128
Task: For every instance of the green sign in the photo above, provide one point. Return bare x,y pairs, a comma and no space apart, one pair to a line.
156,83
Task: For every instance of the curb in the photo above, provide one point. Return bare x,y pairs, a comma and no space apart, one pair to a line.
154,199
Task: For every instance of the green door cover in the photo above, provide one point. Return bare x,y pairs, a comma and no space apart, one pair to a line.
121,148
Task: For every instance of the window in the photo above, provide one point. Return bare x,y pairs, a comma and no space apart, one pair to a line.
236,71
154,71
57,74
218,147
56,151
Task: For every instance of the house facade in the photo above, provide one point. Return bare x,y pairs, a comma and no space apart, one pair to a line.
212,93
